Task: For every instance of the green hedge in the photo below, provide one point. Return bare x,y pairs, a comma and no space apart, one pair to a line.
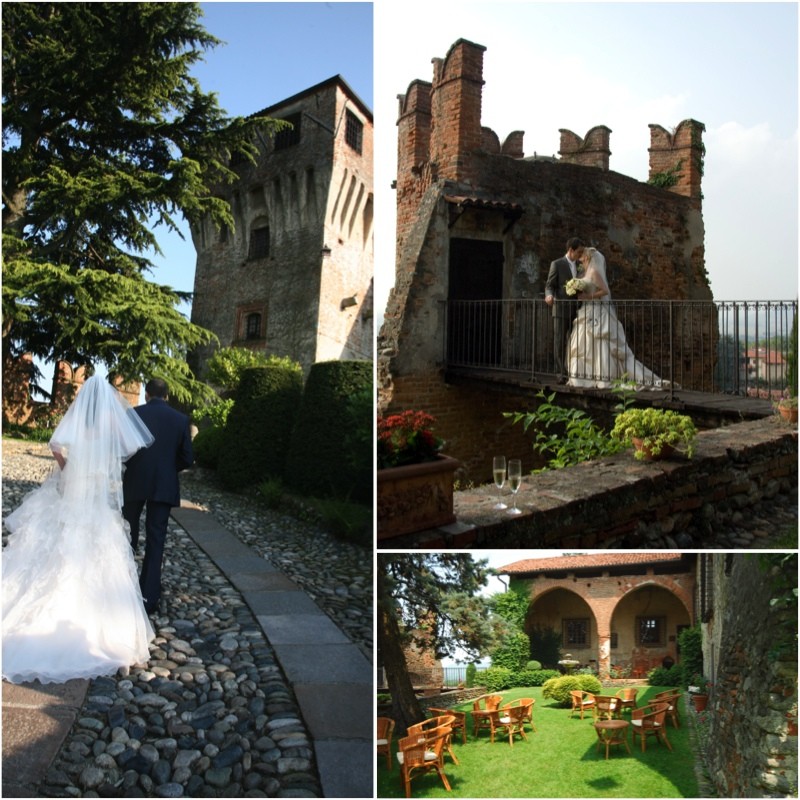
207,445
323,461
661,676
259,426
558,689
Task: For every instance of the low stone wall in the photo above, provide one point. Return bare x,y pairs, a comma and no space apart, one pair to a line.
619,502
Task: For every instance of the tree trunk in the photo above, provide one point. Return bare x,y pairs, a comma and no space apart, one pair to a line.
405,706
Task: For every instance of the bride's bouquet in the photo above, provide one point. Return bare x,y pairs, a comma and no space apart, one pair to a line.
576,285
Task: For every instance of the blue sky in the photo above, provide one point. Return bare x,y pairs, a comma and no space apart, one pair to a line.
732,66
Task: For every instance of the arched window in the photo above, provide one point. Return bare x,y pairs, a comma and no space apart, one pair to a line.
253,326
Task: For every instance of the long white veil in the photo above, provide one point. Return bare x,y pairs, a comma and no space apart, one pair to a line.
99,431
598,261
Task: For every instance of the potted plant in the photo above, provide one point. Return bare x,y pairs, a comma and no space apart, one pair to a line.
698,689
415,479
787,408
655,432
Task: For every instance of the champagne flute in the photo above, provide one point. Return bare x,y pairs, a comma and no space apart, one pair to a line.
514,481
499,474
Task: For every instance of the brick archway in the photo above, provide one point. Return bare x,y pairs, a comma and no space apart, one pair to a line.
603,595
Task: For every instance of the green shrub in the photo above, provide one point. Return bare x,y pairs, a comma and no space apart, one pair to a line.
216,413
690,642
513,652
227,366
271,492
319,462
207,445
558,689
661,676
495,679
351,522
546,645
533,665
534,677
259,426
471,675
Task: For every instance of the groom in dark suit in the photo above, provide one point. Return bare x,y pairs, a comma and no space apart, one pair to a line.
151,479
564,307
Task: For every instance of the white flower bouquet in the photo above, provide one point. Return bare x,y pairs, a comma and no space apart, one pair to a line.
575,285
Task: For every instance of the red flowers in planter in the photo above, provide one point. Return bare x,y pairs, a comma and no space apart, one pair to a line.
407,438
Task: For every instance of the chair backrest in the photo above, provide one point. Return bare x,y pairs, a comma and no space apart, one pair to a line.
516,714
606,703
459,717
628,693
414,747
430,724
385,728
668,696
493,702
651,715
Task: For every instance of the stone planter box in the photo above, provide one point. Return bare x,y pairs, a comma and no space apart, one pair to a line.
416,497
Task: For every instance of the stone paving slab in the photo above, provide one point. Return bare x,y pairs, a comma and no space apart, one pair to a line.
36,720
330,676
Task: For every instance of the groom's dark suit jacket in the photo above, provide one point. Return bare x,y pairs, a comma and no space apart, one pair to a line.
555,284
152,472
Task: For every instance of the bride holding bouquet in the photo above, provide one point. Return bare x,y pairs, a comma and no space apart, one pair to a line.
597,353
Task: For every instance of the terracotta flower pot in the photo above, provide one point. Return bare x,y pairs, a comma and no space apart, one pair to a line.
416,497
789,413
700,701
665,452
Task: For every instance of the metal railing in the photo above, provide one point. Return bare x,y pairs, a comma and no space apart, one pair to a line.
733,347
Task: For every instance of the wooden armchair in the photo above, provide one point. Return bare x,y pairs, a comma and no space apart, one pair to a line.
459,725
671,697
527,704
482,710
627,698
581,701
606,707
511,720
650,721
385,729
418,755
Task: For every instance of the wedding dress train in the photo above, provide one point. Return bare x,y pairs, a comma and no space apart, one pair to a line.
72,607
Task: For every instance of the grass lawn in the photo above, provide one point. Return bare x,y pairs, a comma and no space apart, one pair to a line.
560,760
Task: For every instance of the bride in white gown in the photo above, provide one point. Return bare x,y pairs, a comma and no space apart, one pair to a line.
598,353
72,607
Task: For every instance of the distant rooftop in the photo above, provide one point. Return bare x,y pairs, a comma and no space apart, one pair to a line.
589,561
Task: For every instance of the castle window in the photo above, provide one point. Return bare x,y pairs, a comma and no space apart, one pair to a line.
259,243
353,131
575,633
253,326
651,631
288,137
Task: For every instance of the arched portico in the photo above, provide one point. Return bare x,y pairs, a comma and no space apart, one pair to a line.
608,619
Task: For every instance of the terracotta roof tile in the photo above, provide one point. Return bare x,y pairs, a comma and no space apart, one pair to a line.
586,561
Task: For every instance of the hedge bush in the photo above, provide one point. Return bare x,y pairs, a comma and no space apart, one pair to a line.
259,427
495,679
207,445
534,677
321,459
558,689
661,676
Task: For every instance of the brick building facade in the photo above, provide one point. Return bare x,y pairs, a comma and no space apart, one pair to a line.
620,611
294,276
477,220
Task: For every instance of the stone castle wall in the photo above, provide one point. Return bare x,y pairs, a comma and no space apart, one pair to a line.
457,180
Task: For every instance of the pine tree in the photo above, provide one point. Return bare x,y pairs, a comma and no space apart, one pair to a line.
430,598
106,136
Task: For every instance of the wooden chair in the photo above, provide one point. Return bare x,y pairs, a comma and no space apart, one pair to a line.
418,755
581,701
527,704
649,721
385,730
481,711
627,698
459,725
605,707
511,719
671,697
